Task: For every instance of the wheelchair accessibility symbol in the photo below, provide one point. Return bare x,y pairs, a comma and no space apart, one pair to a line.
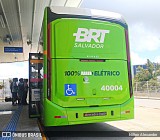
70,90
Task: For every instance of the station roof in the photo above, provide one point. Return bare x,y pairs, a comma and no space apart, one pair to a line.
20,26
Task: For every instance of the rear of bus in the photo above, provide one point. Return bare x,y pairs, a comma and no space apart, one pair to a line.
87,70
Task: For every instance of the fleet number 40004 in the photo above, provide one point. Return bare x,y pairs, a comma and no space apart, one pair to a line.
112,88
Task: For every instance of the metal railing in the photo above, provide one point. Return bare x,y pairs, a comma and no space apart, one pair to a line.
4,89
147,88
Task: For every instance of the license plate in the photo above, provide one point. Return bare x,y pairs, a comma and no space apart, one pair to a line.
94,114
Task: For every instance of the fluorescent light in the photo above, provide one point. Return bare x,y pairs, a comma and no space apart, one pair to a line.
2,22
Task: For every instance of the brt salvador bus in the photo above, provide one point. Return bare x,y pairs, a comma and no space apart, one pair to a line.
87,69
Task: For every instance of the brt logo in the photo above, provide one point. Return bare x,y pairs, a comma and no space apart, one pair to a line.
86,35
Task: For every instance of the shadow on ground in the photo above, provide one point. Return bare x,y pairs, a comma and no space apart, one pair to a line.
97,131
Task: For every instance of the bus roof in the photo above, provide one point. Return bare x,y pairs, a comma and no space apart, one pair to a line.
92,13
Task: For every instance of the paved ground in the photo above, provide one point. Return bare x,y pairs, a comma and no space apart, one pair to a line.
6,112
149,103
147,118
23,124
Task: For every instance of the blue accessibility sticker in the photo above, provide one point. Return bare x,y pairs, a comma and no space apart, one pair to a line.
70,90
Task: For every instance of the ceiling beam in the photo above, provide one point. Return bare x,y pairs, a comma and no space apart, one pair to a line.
37,21
6,20
20,21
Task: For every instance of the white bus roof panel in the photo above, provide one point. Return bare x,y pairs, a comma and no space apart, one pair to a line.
87,12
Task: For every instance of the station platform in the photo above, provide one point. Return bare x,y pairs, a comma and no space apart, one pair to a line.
15,119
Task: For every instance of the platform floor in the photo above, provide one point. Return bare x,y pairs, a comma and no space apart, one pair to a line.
15,119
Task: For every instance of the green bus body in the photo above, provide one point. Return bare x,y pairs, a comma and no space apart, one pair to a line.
87,74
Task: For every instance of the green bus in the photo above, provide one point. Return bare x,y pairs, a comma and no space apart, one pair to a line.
87,68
